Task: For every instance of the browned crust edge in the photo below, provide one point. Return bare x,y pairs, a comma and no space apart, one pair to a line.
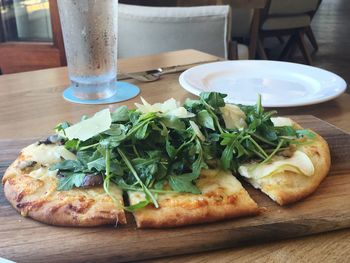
62,216
167,217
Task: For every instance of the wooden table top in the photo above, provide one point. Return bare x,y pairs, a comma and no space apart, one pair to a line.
32,104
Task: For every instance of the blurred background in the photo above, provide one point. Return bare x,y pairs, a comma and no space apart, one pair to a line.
31,37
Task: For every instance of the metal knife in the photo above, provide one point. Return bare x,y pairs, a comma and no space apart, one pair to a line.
162,71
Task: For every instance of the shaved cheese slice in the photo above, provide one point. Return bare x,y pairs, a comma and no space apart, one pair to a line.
47,154
299,163
281,121
88,128
197,131
168,107
233,116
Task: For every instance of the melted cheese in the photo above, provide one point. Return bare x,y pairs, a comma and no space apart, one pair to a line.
47,154
214,179
212,183
136,197
299,163
41,172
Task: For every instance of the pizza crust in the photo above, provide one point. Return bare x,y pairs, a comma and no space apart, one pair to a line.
223,197
289,187
34,194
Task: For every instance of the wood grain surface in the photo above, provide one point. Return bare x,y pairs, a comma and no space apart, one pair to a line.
32,104
25,240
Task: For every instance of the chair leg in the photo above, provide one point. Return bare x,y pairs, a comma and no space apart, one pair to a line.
292,50
261,50
310,34
253,46
303,48
288,47
254,34
233,51
280,39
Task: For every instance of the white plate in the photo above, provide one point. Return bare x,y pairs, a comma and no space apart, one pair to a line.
281,84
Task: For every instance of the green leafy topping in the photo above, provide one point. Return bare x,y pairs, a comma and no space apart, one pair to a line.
205,120
183,183
305,133
120,114
162,148
214,99
70,180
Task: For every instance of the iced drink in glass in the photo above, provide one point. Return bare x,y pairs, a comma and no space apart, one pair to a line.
90,37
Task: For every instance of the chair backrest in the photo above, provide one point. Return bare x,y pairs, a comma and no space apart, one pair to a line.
150,30
292,7
241,22
245,17
243,14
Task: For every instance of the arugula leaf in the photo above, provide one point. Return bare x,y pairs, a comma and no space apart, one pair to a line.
142,132
117,130
306,133
170,149
227,156
173,122
111,142
214,99
210,150
267,131
70,180
120,114
183,183
134,116
199,163
67,165
84,156
98,164
205,119
139,181
61,127
146,169
72,145
258,108
116,168
286,131
193,105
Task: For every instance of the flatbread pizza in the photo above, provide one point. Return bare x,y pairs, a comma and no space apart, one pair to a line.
176,165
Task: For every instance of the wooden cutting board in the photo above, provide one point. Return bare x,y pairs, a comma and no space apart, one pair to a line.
25,240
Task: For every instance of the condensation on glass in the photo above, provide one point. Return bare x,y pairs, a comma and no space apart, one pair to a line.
25,20
90,38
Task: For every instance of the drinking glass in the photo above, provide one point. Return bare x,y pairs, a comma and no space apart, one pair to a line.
90,37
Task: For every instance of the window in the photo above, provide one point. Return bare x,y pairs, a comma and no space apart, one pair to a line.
25,20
